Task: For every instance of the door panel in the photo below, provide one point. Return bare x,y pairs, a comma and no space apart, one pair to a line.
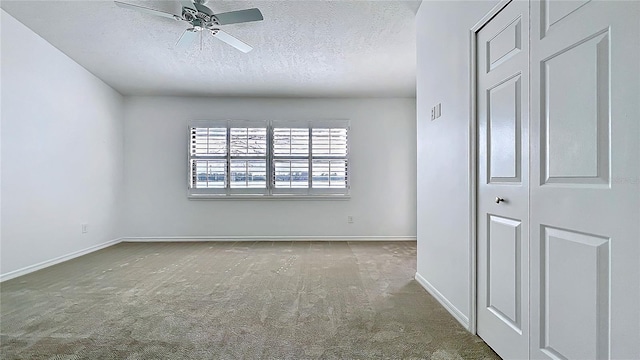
504,44
575,100
503,157
585,180
503,133
575,289
554,11
505,269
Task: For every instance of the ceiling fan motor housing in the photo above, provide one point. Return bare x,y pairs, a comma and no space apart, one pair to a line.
203,10
202,14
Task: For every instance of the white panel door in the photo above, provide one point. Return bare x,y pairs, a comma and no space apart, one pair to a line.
503,177
585,179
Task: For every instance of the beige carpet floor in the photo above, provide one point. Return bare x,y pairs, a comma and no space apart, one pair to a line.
225,300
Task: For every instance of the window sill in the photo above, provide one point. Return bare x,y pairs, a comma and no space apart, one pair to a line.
269,197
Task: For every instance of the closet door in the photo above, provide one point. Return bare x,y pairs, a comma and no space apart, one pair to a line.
585,179
503,181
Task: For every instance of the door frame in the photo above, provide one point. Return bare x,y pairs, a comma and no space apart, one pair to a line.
473,163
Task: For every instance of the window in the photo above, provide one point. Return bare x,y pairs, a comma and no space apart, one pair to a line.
280,158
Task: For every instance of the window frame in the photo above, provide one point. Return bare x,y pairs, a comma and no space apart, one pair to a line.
270,191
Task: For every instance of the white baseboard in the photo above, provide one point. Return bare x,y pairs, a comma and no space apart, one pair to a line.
47,263
264,238
457,314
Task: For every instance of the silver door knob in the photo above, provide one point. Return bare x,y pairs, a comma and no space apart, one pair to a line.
498,200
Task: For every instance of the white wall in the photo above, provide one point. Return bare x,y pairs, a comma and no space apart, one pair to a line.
382,170
61,152
443,69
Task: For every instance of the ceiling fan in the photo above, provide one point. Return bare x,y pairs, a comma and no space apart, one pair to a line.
202,19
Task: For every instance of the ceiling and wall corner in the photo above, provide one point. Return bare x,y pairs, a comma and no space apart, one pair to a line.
301,49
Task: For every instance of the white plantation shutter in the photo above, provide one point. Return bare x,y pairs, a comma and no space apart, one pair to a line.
306,158
209,141
331,142
248,158
310,158
330,157
290,157
227,157
208,157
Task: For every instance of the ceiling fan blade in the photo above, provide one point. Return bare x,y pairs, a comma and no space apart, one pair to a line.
146,10
187,38
240,16
188,4
235,42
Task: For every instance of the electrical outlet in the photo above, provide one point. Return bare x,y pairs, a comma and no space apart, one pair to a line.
85,228
433,113
350,219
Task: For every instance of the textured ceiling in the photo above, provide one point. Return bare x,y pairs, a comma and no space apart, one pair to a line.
302,48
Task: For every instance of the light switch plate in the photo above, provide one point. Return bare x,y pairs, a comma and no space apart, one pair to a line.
436,111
